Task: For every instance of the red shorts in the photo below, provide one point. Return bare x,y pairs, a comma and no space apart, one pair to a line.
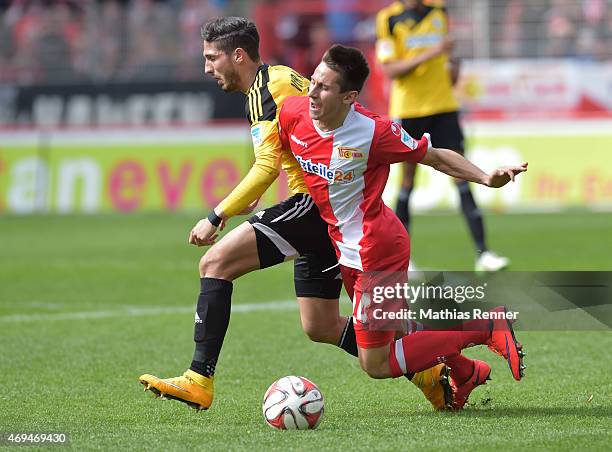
356,283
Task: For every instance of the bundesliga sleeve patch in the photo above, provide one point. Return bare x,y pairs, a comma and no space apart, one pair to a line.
408,140
384,49
256,135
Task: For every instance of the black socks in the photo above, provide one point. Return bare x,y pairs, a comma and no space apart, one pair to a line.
472,215
348,342
211,323
402,209
471,212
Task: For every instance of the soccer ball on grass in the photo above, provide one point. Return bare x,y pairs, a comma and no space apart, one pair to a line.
292,403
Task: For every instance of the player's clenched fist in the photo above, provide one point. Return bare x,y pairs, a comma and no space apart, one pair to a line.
203,233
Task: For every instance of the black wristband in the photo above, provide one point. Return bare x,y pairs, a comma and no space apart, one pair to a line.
214,219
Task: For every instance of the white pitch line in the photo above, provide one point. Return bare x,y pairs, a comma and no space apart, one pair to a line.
142,312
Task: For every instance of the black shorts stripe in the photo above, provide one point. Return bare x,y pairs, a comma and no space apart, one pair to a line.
316,270
302,210
296,208
311,205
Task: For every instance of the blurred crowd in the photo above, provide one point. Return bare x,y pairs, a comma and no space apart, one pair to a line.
555,28
89,40
51,41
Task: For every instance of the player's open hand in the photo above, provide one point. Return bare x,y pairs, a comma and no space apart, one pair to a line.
203,233
501,176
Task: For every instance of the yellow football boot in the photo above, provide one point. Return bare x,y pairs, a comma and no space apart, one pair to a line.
437,386
191,388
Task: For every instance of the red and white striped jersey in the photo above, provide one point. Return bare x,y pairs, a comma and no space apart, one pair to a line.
346,171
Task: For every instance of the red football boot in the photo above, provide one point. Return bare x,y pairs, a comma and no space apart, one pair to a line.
480,375
504,343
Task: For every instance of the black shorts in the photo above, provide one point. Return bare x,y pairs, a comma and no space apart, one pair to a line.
294,229
444,129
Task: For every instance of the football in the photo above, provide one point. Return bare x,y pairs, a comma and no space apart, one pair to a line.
293,403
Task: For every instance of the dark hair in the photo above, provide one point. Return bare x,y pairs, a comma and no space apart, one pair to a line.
350,63
229,33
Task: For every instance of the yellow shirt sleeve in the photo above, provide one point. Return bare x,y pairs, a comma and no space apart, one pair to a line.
386,48
267,147
265,97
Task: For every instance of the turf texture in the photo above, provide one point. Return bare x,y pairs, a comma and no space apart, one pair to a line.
88,303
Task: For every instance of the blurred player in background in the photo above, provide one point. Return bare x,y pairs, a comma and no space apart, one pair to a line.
413,48
292,229
345,152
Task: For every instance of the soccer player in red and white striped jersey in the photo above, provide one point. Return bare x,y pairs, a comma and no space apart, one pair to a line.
345,152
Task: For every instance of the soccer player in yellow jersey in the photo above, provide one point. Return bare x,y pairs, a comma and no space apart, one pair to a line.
292,229
413,47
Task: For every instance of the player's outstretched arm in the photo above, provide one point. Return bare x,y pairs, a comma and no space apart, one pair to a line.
453,164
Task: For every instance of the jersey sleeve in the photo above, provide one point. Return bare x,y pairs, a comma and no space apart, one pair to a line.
262,114
265,98
394,145
386,47
262,174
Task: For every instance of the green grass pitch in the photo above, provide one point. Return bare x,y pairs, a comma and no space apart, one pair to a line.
87,304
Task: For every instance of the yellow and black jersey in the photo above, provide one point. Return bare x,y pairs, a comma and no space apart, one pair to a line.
403,33
272,85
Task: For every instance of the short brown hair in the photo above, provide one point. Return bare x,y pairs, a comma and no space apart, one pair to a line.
229,33
350,63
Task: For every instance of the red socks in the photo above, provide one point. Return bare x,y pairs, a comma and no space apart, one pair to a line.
461,368
424,349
